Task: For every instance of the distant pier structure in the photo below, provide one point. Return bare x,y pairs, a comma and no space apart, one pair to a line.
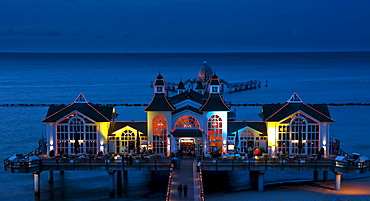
204,76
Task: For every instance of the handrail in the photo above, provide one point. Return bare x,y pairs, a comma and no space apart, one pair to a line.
169,186
35,152
201,194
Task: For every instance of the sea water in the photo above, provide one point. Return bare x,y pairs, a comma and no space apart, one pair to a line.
107,78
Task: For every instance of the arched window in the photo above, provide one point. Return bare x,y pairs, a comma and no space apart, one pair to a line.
250,139
245,137
76,134
298,134
187,121
126,143
215,132
159,126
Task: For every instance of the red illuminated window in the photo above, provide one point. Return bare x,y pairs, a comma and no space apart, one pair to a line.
215,132
187,121
159,129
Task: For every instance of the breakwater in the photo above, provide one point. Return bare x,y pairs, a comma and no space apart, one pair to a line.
145,104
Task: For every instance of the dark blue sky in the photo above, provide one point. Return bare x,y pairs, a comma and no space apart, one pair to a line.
184,25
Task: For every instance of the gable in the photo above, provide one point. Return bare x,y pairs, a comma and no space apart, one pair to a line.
188,102
238,126
94,112
190,95
119,132
290,117
66,118
120,126
278,112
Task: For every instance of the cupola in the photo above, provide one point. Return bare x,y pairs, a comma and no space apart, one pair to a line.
214,85
159,85
180,87
205,72
200,88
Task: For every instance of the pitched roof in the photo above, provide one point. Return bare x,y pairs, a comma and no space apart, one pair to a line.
257,125
160,103
215,80
181,85
187,95
95,112
214,103
199,85
188,107
138,125
277,112
187,133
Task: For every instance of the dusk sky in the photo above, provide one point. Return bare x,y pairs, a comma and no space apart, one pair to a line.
184,25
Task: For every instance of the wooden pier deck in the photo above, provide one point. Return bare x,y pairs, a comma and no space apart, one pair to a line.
85,165
286,165
191,173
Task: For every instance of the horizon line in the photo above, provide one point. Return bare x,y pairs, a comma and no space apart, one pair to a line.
177,52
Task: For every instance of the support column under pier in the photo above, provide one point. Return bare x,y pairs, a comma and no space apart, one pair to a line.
316,175
325,175
61,171
253,178
260,180
111,183
337,180
125,174
119,179
36,182
51,177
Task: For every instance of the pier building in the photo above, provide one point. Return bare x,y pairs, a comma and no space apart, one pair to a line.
195,121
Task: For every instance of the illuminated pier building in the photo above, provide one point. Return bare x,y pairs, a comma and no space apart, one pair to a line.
197,119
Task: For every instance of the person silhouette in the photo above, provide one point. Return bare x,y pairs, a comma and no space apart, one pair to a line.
179,189
185,190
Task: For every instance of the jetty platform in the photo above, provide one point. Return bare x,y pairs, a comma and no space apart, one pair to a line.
189,172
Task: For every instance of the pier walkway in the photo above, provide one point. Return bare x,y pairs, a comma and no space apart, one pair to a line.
186,174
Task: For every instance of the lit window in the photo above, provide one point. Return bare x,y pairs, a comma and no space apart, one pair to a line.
187,121
215,131
159,126
76,129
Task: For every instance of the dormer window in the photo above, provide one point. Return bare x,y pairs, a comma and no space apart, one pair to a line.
214,89
160,89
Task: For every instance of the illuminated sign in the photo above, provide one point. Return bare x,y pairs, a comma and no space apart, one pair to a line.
186,140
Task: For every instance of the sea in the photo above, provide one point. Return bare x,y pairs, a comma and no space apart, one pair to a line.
120,78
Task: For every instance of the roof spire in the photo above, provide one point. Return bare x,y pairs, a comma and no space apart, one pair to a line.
80,99
295,99
159,75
